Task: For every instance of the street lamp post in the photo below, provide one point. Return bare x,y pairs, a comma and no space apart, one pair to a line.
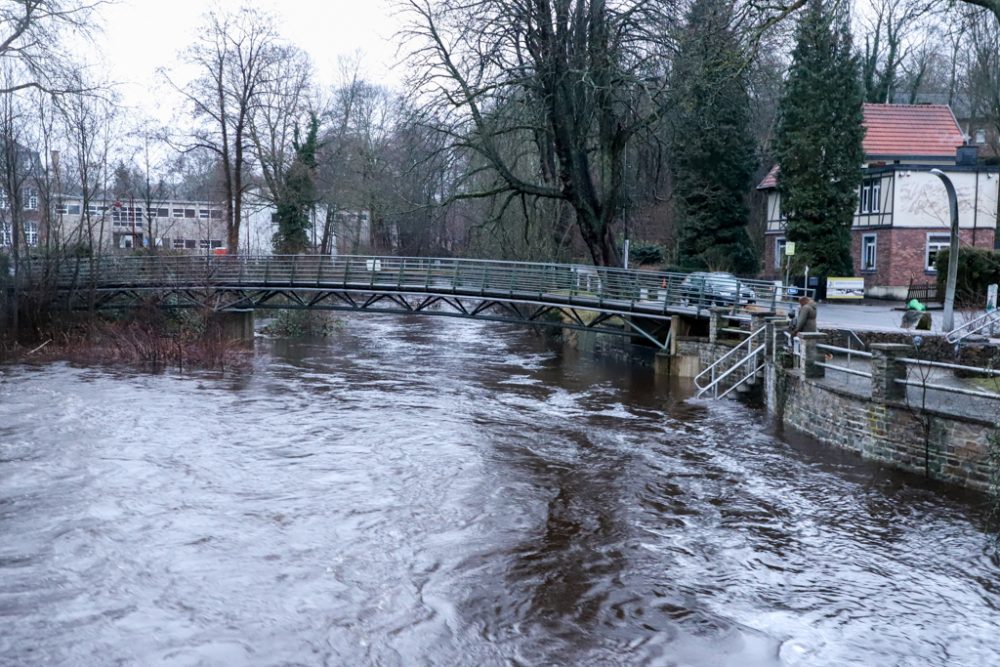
949,290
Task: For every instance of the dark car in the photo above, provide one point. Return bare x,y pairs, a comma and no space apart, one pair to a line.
715,289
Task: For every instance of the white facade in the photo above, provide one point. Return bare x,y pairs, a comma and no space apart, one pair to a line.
920,199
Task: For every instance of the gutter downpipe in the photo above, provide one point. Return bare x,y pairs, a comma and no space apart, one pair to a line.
949,291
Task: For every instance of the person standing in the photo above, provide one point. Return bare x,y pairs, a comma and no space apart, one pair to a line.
806,321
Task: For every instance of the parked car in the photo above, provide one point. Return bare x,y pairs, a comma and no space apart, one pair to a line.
715,289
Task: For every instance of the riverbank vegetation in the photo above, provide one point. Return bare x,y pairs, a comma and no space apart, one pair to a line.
146,336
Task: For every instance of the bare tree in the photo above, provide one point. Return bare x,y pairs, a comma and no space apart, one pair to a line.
894,29
568,82
982,76
579,79
282,106
17,166
32,42
992,6
90,126
236,57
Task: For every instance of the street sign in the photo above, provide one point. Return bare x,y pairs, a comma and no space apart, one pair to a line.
790,248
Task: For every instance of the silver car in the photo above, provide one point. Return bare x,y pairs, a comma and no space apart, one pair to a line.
715,289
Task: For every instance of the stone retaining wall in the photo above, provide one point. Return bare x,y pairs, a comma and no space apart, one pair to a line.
921,441
874,418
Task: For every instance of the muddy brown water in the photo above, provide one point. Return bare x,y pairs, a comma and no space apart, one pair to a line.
420,491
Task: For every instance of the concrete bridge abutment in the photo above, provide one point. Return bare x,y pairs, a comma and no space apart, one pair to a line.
235,326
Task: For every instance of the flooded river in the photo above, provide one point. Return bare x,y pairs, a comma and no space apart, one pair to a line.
443,492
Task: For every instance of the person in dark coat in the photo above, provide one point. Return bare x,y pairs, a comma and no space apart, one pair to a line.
806,321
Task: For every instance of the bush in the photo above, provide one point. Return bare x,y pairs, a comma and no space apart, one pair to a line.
643,253
295,323
977,268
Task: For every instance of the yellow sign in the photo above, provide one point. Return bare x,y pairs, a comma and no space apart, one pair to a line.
845,288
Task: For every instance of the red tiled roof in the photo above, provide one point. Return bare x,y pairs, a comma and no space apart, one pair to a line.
771,180
902,131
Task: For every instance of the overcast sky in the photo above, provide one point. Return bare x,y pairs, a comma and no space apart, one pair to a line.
139,36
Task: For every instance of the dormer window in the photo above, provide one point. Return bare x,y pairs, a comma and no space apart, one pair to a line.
871,195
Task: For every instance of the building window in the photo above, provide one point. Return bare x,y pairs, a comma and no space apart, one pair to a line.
190,244
871,195
216,243
980,136
30,234
178,244
869,249
189,213
216,215
779,251
935,243
30,199
74,209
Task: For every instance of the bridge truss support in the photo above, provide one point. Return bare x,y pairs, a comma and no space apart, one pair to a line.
655,330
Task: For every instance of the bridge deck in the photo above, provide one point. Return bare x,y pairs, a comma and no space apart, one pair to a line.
509,291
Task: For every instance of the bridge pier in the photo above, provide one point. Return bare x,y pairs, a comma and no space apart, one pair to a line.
235,326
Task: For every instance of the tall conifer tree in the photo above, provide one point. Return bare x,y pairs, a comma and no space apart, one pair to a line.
298,195
818,142
712,144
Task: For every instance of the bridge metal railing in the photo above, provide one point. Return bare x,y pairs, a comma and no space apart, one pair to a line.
643,291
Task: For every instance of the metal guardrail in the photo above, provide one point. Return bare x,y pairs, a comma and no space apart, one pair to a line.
849,352
600,287
910,361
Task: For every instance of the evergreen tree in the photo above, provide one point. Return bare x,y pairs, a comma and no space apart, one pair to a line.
818,142
298,195
712,143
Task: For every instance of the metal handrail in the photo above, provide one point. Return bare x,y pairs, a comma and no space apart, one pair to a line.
973,326
740,382
954,367
645,291
849,351
712,368
949,389
844,369
732,369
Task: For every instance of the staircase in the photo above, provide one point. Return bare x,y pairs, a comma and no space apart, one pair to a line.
736,369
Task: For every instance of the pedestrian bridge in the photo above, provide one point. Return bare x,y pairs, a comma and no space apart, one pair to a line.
621,301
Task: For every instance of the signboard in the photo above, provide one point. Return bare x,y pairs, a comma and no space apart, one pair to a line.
374,264
845,288
991,297
790,248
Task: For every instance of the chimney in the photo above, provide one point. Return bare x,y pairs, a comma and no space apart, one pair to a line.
966,156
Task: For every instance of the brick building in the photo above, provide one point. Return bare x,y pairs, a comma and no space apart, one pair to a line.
902,218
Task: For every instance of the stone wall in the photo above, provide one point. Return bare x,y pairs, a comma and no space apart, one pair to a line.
924,442
872,417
